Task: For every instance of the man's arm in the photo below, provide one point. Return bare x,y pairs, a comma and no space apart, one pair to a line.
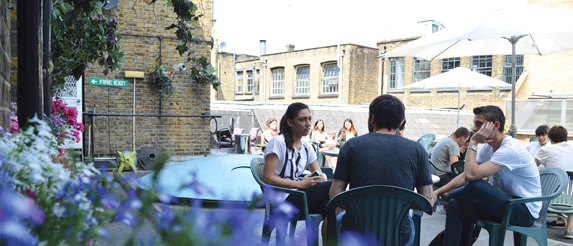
428,192
457,182
454,159
474,171
337,187
537,162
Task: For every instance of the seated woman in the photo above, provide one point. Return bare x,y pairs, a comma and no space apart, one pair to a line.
321,137
271,130
347,132
286,157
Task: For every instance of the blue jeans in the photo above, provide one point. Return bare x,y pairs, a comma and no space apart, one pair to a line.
339,227
479,200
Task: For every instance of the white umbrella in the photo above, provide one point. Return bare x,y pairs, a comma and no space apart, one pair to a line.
460,77
529,29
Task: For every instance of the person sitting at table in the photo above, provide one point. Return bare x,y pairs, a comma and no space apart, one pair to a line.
325,142
446,152
287,156
347,131
464,149
559,154
542,140
270,130
382,158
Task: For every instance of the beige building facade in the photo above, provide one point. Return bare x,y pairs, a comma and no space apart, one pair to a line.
337,74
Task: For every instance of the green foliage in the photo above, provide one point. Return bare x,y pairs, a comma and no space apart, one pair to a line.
81,36
203,73
162,76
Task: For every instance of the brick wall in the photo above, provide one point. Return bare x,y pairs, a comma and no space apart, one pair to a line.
5,50
359,72
181,136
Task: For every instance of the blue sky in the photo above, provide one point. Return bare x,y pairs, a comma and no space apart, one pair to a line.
314,23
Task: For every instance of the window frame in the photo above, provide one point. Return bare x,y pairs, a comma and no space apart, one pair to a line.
239,82
480,60
250,81
393,83
418,64
327,78
302,85
454,60
507,67
277,81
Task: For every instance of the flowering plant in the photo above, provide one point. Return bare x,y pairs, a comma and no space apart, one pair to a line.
82,35
163,78
63,124
203,73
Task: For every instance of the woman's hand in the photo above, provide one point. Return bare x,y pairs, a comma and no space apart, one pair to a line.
308,182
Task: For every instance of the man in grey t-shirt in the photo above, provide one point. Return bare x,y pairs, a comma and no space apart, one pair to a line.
446,152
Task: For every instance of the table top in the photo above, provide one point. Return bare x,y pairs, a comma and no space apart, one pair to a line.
435,179
331,152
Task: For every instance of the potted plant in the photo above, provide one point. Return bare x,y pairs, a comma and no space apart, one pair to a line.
163,79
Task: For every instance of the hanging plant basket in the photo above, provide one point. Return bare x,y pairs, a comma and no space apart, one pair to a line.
163,79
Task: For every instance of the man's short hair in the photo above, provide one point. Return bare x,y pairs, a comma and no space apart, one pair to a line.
388,111
462,132
541,130
492,113
557,134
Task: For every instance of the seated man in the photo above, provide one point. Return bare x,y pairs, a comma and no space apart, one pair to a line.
383,158
446,152
543,140
559,154
514,175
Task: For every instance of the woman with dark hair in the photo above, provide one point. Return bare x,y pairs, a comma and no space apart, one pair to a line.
287,156
319,135
347,131
270,130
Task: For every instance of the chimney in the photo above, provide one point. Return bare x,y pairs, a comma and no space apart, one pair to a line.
290,47
263,47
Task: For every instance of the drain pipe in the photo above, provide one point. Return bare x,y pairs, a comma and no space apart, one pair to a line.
340,60
218,72
265,81
234,73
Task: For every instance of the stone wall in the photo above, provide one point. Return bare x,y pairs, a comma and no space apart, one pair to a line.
179,135
5,51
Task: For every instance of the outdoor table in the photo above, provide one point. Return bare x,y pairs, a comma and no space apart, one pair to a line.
435,179
331,152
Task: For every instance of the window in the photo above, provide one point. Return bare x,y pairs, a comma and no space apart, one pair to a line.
240,82
482,64
257,81
250,82
278,81
302,82
450,63
422,69
396,80
507,67
329,81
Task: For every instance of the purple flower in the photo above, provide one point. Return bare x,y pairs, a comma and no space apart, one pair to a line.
126,217
14,205
112,22
14,232
133,201
98,17
110,39
131,178
197,186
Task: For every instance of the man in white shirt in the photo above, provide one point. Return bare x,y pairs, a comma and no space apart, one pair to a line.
514,175
543,140
559,154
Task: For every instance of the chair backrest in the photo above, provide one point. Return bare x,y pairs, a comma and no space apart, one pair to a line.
553,183
426,140
458,167
567,196
257,167
533,139
235,132
254,132
378,211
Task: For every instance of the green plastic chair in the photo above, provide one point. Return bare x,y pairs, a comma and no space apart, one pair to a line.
458,167
553,182
312,220
533,139
379,211
426,140
563,204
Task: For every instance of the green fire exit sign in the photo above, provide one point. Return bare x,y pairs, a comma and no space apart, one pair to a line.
109,82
